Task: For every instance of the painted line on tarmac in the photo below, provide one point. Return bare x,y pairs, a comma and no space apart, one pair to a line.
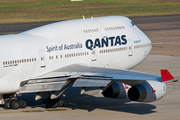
10,112
5,109
56,110
50,110
31,111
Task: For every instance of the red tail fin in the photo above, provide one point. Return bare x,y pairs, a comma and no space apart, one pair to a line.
166,76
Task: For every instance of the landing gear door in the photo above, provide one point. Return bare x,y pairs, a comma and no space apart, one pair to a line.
130,48
42,59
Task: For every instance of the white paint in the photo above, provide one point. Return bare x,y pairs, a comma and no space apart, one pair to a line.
34,43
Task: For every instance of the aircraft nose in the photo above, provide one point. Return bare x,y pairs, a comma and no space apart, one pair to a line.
148,46
148,40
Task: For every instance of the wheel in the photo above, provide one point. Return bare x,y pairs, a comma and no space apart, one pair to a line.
45,103
22,103
60,102
53,103
15,104
7,104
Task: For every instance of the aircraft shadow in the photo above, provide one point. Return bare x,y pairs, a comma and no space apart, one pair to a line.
75,101
121,105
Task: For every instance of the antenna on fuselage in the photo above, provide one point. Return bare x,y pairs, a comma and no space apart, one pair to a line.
83,17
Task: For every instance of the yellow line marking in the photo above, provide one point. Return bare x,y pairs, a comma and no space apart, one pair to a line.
33,111
56,110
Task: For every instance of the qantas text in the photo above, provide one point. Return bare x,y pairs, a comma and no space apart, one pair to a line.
106,42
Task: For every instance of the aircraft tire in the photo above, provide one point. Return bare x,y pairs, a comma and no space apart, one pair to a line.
60,102
45,103
15,104
7,104
53,103
22,103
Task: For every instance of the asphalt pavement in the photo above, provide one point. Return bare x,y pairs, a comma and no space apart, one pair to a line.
145,23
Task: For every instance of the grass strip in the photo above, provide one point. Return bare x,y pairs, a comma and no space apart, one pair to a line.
65,9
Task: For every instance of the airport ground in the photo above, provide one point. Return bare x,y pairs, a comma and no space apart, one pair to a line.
164,31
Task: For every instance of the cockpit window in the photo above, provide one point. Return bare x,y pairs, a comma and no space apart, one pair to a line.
132,23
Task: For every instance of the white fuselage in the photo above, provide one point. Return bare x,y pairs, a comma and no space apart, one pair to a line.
109,42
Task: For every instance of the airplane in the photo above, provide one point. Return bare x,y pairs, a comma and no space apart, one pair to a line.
85,53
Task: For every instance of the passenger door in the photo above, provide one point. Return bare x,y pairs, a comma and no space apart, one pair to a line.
42,59
130,48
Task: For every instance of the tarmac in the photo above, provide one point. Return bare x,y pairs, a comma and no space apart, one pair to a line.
165,54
